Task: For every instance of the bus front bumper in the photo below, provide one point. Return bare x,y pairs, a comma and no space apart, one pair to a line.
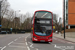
42,40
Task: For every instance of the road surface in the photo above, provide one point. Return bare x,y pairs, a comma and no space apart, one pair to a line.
23,42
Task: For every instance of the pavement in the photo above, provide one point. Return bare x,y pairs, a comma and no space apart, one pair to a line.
24,42
70,34
61,36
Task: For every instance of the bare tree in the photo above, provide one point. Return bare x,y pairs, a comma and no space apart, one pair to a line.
9,15
27,21
4,8
56,23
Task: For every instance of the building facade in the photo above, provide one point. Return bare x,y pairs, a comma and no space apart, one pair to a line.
70,14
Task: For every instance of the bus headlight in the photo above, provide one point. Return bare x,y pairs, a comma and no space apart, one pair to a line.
49,39
35,38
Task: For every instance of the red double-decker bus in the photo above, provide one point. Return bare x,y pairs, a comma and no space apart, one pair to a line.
42,26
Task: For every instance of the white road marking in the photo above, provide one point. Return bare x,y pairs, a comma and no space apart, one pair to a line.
36,49
31,46
29,42
15,39
28,48
63,47
52,43
57,47
18,43
17,46
26,43
27,36
3,48
10,43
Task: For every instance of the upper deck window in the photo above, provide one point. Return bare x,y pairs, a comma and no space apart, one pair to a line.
43,14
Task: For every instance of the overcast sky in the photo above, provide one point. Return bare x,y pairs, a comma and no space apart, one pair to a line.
31,6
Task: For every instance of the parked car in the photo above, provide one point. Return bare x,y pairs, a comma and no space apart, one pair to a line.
9,32
20,31
3,32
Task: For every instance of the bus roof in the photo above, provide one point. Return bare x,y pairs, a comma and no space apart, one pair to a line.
43,10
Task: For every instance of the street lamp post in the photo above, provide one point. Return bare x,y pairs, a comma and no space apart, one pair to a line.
15,21
11,24
64,19
0,16
20,20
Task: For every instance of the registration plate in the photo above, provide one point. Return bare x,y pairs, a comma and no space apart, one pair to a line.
42,40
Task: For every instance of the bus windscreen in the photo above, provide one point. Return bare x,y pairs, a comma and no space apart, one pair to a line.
43,30
43,23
